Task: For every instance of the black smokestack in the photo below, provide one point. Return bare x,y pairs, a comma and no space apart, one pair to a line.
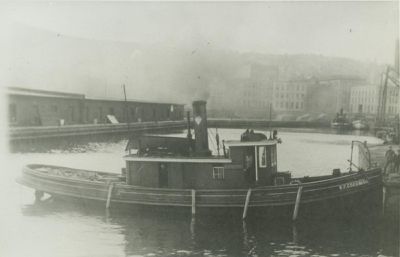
200,128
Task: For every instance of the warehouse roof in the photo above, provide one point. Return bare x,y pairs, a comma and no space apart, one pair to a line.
41,93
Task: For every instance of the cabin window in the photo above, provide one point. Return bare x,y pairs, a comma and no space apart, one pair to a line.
262,156
218,172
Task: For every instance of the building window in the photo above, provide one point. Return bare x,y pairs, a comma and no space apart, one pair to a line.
72,113
218,172
262,156
87,113
54,108
12,113
101,114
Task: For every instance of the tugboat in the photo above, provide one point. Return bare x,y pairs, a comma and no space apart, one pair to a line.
166,172
341,121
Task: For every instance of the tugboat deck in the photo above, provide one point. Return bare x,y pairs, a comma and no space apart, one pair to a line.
182,159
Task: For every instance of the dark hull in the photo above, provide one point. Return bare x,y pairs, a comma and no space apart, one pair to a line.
345,195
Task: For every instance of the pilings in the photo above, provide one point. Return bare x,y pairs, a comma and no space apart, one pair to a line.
110,189
391,199
246,204
193,202
297,204
383,199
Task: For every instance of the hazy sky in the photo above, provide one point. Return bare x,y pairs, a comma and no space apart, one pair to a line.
361,30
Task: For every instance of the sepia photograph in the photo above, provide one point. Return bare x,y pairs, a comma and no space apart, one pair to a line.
199,128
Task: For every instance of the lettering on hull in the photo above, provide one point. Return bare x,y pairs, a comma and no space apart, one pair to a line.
356,183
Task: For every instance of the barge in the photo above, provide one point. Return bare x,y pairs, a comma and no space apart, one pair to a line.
166,172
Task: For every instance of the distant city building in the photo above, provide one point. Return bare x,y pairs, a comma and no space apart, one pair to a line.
247,96
290,96
365,99
255,99
260,87
329,96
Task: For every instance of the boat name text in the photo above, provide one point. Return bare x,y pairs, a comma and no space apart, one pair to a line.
356,183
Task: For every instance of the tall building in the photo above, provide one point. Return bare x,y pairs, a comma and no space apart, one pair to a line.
365,99
290,96
247,96
329,96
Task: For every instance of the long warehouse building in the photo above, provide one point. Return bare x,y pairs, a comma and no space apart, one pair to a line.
31,107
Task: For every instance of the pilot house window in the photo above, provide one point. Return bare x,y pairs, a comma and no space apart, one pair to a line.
273,156
262,156
218,172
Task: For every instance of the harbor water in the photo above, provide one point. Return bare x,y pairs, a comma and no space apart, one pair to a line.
64,229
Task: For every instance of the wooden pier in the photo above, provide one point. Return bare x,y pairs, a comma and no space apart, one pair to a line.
391,183
264,123
42,132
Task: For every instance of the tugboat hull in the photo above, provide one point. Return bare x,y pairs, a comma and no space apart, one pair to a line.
322,196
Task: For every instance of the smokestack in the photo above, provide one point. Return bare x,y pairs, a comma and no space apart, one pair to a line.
200,128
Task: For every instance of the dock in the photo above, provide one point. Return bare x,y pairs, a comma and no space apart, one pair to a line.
44,132
265,123
391,183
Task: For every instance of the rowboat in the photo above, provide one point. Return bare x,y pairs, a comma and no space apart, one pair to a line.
165,172
360,124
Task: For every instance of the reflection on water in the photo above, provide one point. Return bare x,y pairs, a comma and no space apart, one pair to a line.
143,233
58,228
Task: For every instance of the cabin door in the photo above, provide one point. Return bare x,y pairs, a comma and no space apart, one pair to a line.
162,175
249,165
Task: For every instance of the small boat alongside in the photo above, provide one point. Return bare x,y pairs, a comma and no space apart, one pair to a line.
360,124
166,172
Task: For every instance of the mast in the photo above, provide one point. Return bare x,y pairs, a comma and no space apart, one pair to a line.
270,121
383,100
126,109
